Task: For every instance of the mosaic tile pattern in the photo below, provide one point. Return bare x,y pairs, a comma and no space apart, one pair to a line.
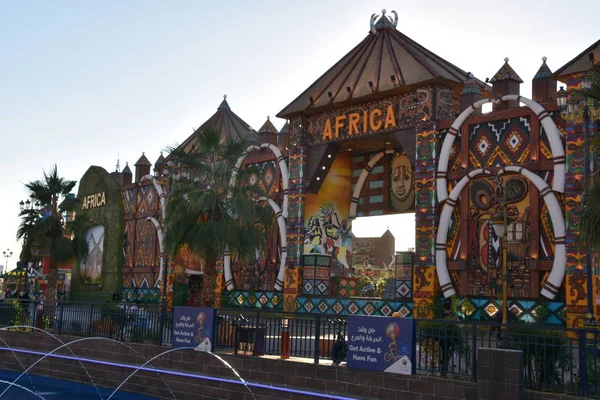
145,295
552,312
344,287
259,299
345,306
404,266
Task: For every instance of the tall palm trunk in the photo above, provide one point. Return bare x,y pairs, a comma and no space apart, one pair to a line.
52,279
208,283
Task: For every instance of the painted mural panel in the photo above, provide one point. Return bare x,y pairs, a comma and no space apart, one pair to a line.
499,143
389,186
327,227
484,260
264,175
402,184
90,271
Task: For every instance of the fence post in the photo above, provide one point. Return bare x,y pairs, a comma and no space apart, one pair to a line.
317,337
91,318
60,317
256,335
583,378
474,345
163,318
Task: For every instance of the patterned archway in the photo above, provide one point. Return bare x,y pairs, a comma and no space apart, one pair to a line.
282,167
558,152
554,281
283,249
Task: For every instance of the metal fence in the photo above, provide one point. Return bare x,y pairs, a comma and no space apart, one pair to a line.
555,358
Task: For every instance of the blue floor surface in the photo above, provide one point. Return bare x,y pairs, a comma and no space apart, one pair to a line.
55,389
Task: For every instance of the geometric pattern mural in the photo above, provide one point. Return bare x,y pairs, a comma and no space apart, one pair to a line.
499,143
404,266
344,286
316,275
345,306
552,312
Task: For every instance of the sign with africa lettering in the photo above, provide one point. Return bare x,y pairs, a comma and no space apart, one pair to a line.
381,344
375,117
359,122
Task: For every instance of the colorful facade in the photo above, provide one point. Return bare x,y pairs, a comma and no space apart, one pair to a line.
393,128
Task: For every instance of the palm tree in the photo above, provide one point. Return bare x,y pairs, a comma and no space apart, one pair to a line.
590,218
205,215
50,225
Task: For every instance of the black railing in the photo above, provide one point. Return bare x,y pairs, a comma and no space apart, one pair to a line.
555,358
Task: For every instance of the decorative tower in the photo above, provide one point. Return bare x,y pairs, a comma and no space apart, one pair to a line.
160,166
282,141
142,168
470,94
127,175
505,81
543,85
268,133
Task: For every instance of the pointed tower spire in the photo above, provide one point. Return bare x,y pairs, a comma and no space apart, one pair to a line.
224,105
127,175
142,167
268,133
160,166
470,94
505,81
224,121
543,85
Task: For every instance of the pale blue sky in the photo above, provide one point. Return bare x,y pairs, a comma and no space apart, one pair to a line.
84,82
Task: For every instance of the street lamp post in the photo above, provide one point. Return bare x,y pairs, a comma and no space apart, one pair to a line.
500,225
7,254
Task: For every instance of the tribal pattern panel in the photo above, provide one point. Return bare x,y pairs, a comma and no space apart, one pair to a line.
540,311
265,176
454,159
245,299
146,261
500,143
453,243
484,262
345,306
129,196
575,279
128,243
344,287
316,281
147,199
404,267
425,284
145,295
544,143
295,223
446,105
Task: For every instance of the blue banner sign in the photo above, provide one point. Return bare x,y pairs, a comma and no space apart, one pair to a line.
194,327
381,344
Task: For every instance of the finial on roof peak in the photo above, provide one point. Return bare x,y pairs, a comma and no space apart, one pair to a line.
470,75
143,153
544,59
268,117
505,59
383,21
